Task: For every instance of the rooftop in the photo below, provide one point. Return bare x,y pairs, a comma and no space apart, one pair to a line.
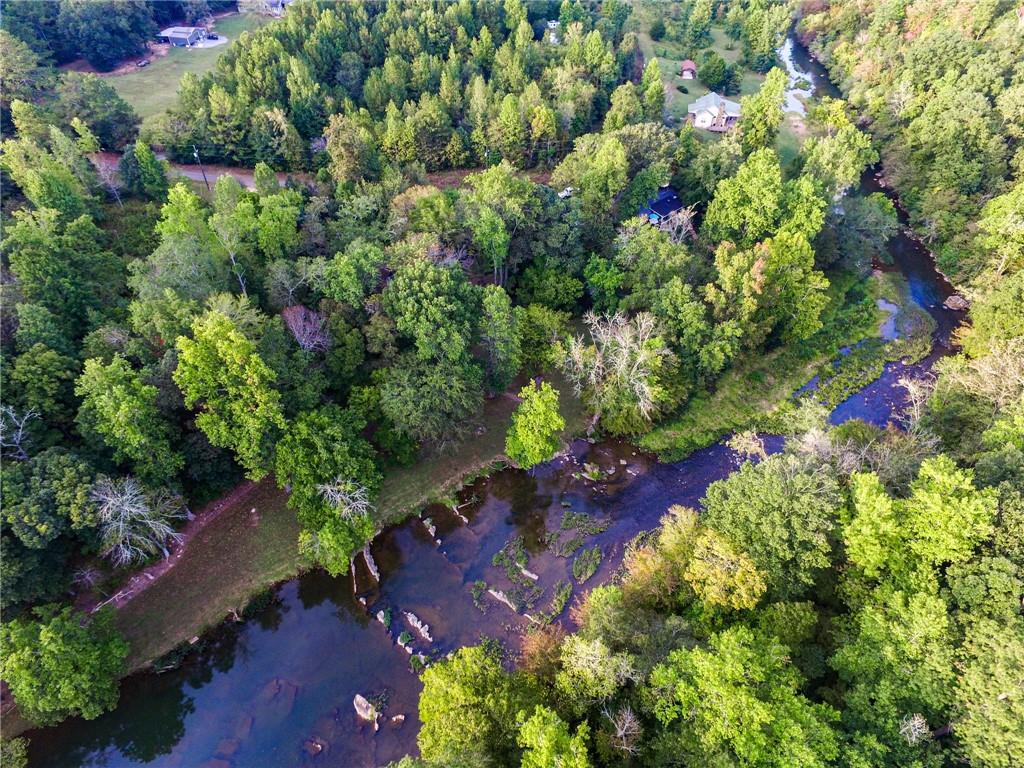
714,102
688,64
660,206
179,31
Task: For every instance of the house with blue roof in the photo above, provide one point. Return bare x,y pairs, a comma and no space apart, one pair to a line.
664,204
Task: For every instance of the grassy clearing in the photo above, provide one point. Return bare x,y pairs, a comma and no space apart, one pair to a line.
151,90
241,553
232,558
756,385
679,92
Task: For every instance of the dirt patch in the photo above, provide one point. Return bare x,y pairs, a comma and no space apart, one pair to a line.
153,51
797,124
141,580
456,178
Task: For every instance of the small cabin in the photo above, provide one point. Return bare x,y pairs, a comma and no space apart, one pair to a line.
688,70
713,113
182,37
661,206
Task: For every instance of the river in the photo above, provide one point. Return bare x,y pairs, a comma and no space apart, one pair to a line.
276,690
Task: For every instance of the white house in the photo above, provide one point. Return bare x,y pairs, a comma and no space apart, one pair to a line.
553,27
713,113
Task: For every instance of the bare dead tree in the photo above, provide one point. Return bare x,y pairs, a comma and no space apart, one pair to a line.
914,728
110,178
14,434
285,278
307,327
620,358
626,729
679,225
747,443
998,376
919,391
349,498
134,523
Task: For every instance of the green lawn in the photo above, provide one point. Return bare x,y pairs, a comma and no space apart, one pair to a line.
151,90
243,552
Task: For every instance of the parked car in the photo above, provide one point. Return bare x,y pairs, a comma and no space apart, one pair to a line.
142,63
212,36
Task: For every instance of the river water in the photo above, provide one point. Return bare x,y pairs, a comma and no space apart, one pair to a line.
276,690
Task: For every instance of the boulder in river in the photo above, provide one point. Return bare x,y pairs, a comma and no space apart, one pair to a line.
419,625
314,746
956,302
365,709
244,727
227,747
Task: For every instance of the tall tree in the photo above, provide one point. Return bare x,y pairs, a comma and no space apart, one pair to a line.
121,408
220,371
535,433
738,702
762,112
59,663
500,336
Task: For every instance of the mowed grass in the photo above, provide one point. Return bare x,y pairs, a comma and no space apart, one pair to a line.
235,556
679,92
152,90
243,551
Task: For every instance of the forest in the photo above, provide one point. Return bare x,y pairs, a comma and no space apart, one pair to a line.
854,600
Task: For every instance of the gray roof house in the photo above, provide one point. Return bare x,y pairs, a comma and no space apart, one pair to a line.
713,112
181,37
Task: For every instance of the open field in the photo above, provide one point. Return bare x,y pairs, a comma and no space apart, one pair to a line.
679,93
252,544
153,89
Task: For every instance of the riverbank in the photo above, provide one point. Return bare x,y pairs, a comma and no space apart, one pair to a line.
251,545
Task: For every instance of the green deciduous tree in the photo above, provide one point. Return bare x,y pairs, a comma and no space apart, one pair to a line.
755,203
721,576
468,707
535,433
220,370
432,399
333,480
738,702
989,714
499,333
782,515
435,307
47,496
63,267
59,664
762,113
547,743
770,289
120,407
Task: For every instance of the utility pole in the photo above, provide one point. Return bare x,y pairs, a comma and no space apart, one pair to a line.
195,154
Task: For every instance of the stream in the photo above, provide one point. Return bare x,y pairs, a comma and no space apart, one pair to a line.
276,690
